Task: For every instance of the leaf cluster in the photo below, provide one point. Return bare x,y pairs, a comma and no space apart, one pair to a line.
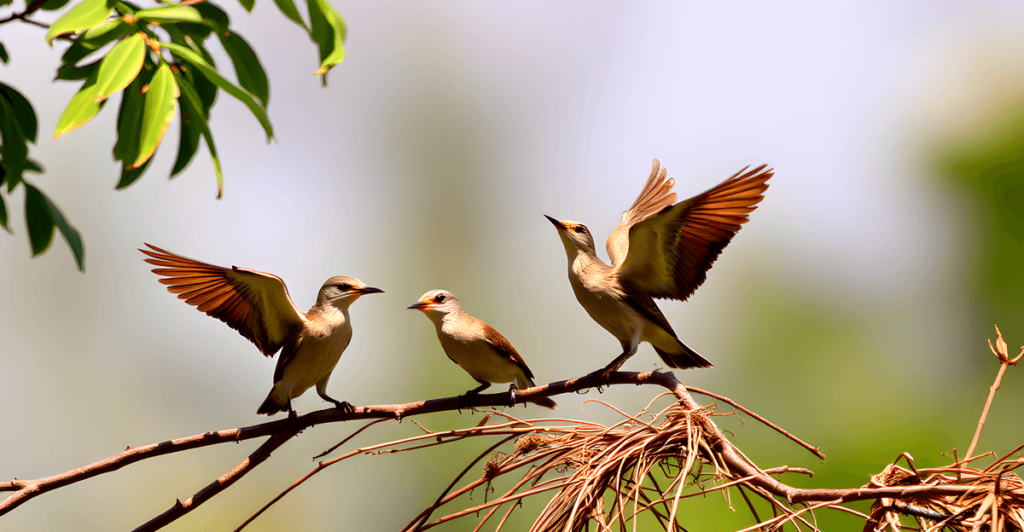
158,59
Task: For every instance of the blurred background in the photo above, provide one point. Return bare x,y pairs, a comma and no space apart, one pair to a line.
852,310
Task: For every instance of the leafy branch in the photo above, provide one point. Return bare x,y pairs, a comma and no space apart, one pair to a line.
158,59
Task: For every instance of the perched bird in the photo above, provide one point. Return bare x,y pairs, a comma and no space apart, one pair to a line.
257,305
475,346
661,249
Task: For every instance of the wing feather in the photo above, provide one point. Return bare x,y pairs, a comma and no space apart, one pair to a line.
255,304
668,254
654,197
504,348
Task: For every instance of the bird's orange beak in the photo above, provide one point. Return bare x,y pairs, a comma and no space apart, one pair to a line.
558,225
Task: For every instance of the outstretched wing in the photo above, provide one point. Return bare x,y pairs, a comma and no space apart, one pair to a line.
255,304
504,348
655,196
667,255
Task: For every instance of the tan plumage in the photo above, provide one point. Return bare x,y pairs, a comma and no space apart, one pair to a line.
257,305
661,249
475,346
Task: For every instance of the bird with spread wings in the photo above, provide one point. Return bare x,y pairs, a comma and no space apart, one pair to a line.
661,249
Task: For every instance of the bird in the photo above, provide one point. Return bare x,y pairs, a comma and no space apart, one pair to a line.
257,305
661,249
476,347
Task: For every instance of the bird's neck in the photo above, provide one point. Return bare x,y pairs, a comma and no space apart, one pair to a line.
584,260
332,314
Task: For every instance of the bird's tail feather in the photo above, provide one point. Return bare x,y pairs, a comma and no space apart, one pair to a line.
526,382
686,359
270,406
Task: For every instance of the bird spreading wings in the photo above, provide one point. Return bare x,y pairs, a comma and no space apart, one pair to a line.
665,250
256,304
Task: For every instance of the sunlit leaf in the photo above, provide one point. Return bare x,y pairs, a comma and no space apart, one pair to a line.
288,8
169,14
206,89
247,4
83,16
81,109
53,5
157,112
23,112
42,216
120,66
328,31
95,38
39,220
247,66
218,80
190,103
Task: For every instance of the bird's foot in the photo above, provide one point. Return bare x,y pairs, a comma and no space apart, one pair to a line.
604,377
463,403
345,406
512,395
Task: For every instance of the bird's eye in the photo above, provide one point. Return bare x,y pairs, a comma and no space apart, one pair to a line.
580,229
438,298
343,287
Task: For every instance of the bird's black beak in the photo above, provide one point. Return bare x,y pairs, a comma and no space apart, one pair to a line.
558,225
416,306
368,290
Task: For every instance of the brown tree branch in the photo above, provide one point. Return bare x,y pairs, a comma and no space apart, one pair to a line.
711,443
31,8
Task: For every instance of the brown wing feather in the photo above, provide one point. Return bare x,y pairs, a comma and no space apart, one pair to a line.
504,348
655,196
255,304
668,254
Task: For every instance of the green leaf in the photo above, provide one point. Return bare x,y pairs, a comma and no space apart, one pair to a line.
214,16
188,140
72,72
218,80
247,4
95,38
14,150
157,112
3,54
39,220
191,103
81,109
288,8
120,66
247,66
328,31
42,216
23,112
170,14
3,214
207,90
130,175
83,16
129,118
53,5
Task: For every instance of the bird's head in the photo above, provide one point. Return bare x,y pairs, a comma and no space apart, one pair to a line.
575,236
436,304
342,291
